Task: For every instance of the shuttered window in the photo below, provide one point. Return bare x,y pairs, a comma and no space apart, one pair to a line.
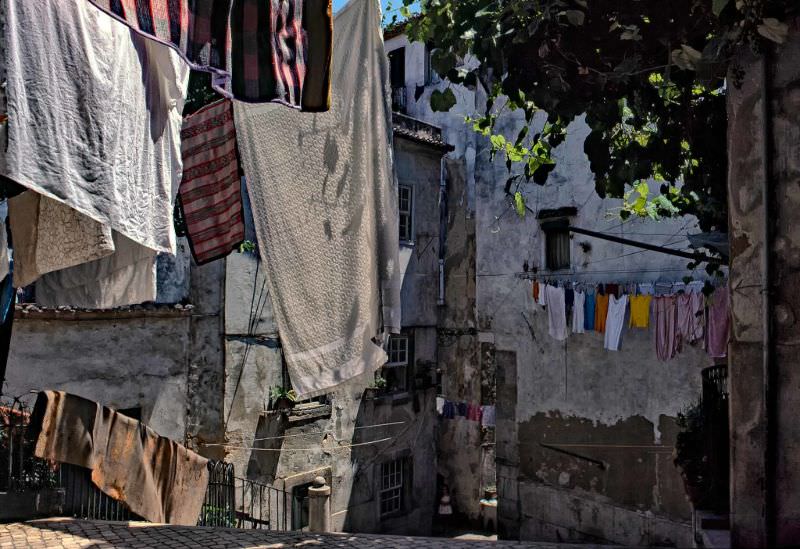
557,247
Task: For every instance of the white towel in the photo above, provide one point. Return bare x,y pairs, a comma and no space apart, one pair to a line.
325,208
94,119
556,312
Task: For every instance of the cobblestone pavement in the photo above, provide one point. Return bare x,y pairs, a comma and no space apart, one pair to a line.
74,534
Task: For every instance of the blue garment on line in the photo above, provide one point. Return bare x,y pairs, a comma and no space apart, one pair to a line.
588,312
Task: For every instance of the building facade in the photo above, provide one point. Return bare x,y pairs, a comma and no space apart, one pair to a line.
204,366
584,437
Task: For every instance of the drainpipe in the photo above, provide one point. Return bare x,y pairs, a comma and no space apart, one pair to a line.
442,227
769,366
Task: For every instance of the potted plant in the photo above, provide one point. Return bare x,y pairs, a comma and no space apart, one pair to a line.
282,398
376,388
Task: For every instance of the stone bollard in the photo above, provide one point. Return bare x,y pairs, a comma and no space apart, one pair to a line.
319,506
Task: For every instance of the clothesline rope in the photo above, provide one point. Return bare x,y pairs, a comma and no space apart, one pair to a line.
317,449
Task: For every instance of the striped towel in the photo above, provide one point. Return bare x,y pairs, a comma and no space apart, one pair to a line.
210,194
256,50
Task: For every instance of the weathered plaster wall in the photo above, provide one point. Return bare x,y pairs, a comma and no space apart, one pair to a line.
764,149
571,392
289,451
155,358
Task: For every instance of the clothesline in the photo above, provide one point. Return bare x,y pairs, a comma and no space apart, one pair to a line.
317,433
317,449
679,315
448,409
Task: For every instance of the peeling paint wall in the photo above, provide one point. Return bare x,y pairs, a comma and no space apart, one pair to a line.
620,405
756,130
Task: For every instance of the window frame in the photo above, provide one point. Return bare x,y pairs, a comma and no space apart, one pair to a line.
396,491
408,238
553,229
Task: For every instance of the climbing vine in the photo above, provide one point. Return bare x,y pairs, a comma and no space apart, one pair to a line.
650,76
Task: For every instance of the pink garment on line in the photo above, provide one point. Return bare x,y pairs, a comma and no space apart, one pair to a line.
719,321
690,318
665,313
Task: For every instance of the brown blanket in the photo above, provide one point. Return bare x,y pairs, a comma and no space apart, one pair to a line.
158,479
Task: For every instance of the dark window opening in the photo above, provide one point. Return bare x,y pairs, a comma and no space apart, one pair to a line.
397,78
557,245
300,506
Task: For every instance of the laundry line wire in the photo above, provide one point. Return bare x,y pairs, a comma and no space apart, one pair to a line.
316,433
317,449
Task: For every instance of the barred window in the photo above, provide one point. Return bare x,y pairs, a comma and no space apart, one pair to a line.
391,494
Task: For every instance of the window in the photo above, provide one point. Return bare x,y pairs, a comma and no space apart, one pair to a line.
300,506
431,76
396,370
397,77
406,204
391,494
557,244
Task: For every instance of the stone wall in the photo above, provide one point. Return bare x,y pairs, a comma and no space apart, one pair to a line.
764,172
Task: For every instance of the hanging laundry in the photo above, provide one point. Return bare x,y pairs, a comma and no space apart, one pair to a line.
542,300
210,195
474,412
488,415
156,478
439,405
125,277
646,288
461,409
719,319
94,117
600,312
589,310
665,318
569,300
612,289
448,410
325,209
640,311
556,313
689,323
535,291
255,50
615,321
578,313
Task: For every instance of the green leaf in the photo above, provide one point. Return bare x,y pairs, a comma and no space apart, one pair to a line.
575,17
443,101
498,141
519,203
718,6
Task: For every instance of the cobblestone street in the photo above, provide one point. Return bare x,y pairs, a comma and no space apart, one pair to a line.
69,534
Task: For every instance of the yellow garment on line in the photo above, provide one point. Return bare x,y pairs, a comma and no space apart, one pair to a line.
600,313
640,311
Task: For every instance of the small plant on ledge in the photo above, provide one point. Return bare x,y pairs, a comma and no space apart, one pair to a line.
376,388
282,398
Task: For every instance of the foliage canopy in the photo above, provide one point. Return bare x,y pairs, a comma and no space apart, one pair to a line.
650,75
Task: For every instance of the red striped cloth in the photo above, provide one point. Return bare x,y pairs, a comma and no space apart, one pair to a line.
210,194
256,50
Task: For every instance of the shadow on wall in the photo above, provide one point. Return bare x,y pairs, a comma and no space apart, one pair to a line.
263,465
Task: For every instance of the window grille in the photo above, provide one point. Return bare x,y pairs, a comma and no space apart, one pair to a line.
391,495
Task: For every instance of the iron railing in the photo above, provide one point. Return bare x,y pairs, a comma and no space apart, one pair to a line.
230,502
